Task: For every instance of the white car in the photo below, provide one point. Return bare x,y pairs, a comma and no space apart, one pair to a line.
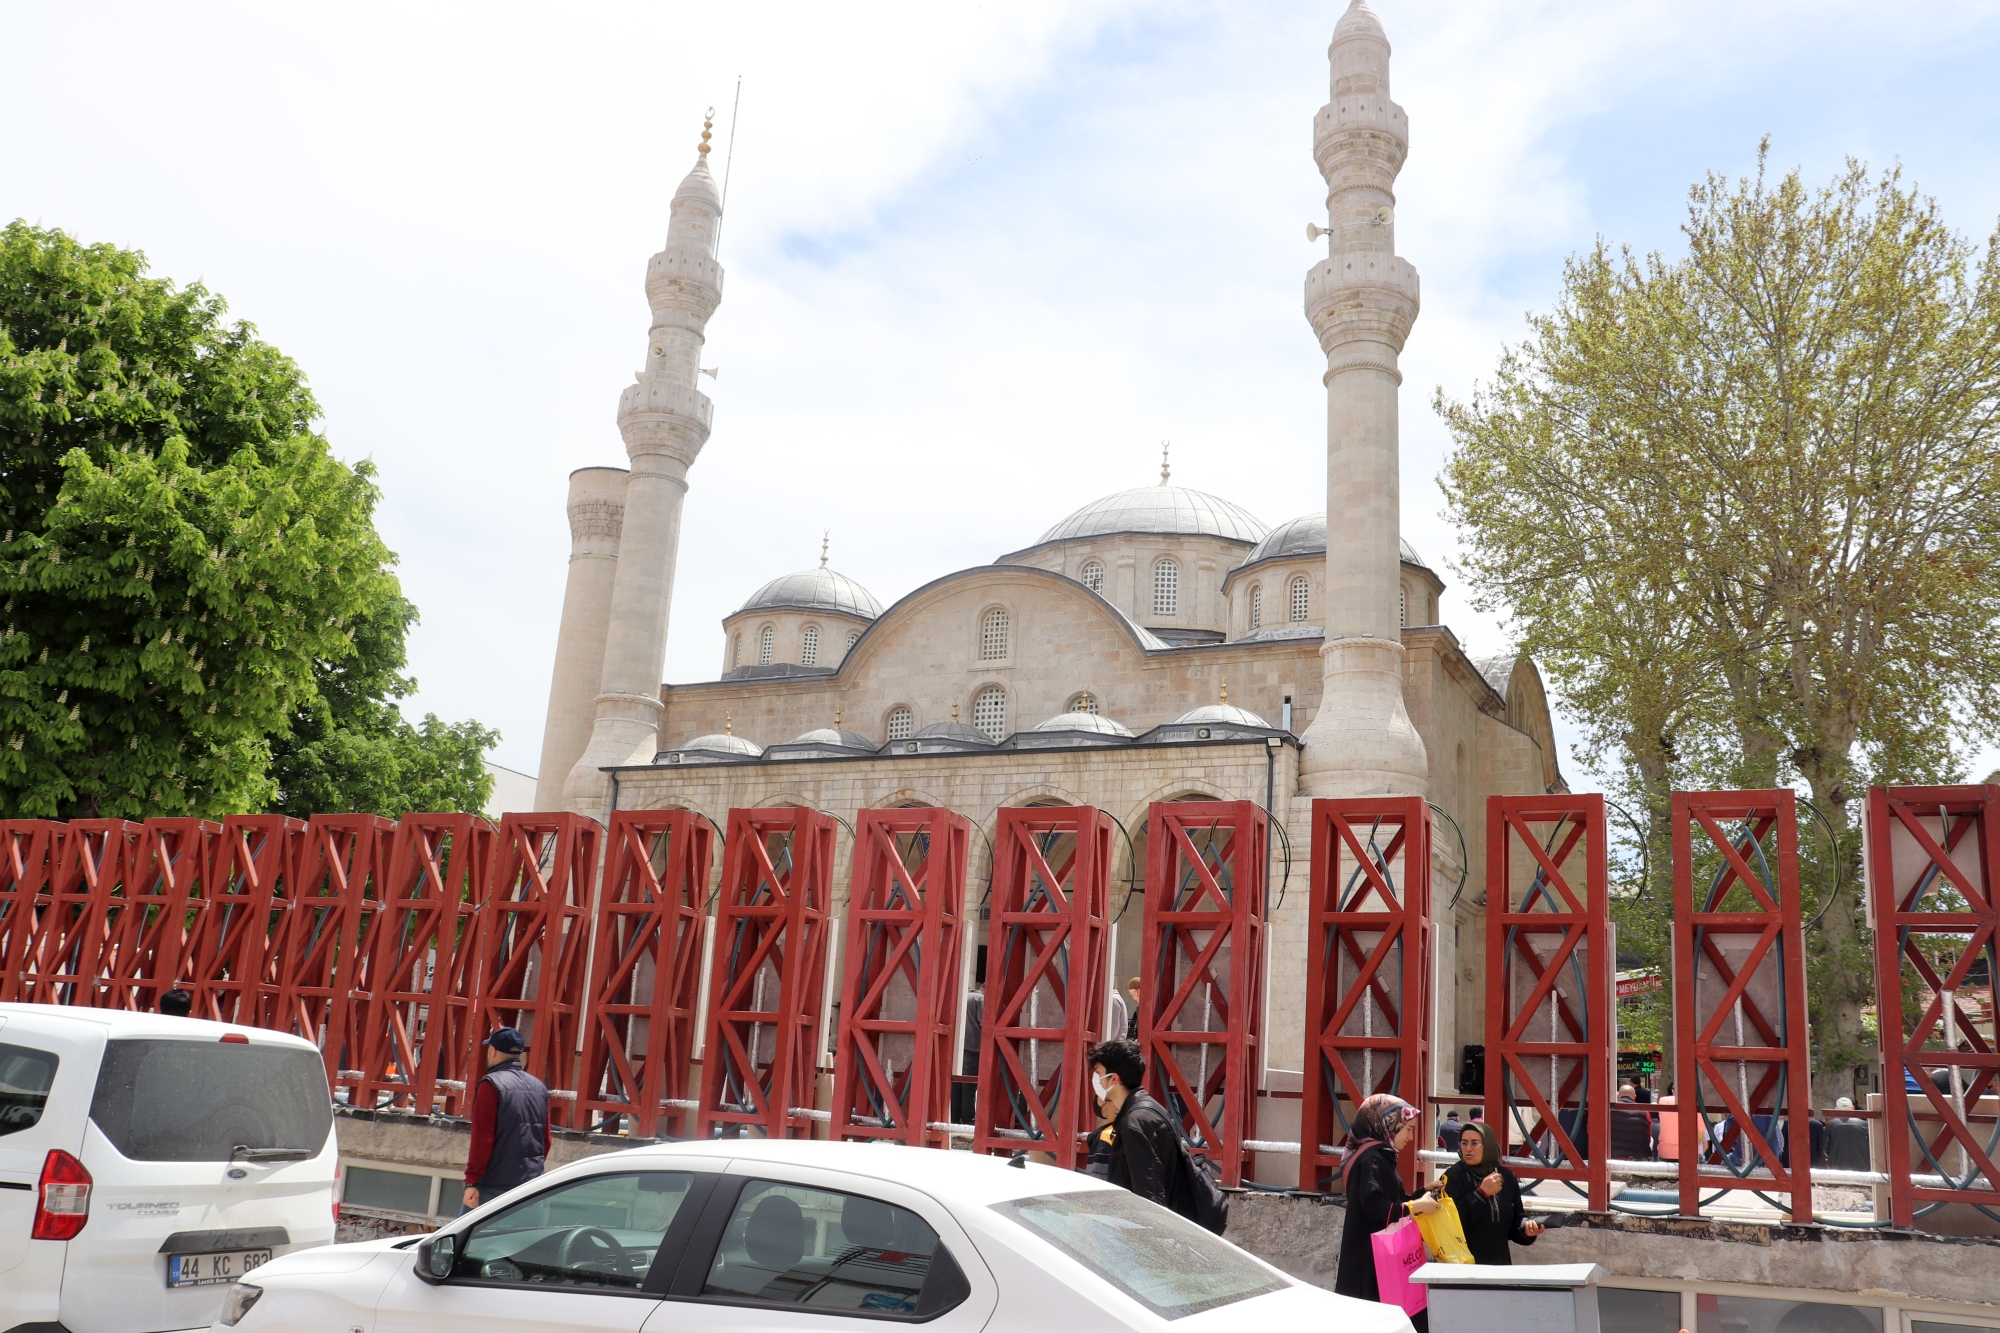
773,1236
146,1163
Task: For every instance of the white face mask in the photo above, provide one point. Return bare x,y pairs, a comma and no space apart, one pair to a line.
1101,1084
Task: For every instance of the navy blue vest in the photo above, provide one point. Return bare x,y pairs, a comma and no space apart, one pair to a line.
520,1128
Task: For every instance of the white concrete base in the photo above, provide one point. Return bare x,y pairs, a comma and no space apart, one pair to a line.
1362,742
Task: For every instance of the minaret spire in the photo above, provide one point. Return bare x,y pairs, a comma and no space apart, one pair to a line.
665,421
1361,301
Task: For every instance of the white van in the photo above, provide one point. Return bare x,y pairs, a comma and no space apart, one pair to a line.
148,1162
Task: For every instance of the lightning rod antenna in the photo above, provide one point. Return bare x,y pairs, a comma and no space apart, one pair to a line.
728,161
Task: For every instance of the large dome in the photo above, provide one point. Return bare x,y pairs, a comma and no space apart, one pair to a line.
1306,535
819,589
1165,509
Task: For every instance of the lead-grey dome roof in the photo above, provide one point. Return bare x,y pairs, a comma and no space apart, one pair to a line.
819,589
1229,713
1306,535
1167,509
1095,722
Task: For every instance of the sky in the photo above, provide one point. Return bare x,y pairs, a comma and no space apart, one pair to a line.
981,259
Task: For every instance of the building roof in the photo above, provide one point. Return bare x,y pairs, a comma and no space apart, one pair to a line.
1306,536
819,589
1230,713
1085,722
1174,510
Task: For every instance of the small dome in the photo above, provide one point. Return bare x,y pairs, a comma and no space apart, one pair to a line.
954,731
1359,20
1164,509
814,590
1230,713
828,736
1306,536
720,743
1085,722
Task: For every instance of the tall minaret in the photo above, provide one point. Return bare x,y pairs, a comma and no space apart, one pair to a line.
1361,301
665,421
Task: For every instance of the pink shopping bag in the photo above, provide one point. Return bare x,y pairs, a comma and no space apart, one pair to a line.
1399,1252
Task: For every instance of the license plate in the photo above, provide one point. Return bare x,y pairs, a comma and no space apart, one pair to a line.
204,1270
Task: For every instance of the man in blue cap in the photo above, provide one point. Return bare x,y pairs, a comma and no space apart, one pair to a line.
510,1123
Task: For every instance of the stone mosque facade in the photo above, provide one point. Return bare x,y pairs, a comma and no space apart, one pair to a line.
1156,644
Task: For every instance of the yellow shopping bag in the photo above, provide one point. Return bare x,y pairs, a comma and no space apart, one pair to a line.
1443,1236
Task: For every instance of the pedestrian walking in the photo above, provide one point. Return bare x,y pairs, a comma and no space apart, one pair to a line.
510,1123
1449,1131
1132,1019
965,1096
1488,1197
1145,1145
1383,1126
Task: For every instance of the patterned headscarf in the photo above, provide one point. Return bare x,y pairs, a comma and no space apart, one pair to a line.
1377,1121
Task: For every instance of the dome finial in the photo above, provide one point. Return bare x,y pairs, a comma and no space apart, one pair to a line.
825,540
836,717
707,129
954,710
1225,691
1165,471
729,724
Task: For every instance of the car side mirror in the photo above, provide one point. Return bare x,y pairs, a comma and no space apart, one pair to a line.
436,1257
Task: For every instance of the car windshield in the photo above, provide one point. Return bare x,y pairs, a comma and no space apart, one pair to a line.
1158,1258
173,1100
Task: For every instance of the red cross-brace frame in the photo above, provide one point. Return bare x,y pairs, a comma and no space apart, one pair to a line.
1933,875
531,947
1368,980
1045,947
65,957
1201,970
900,976
767,974
413,1001
318,943
167,878
30,850
248,888
1742,1040
645,977
1548,952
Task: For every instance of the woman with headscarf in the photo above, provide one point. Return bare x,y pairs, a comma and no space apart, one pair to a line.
1488,1197
1383,1127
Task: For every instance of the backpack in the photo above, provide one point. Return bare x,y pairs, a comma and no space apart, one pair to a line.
1200,1191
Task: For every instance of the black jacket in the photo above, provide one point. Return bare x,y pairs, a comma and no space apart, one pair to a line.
1488,1223
1146,1149
1375,1198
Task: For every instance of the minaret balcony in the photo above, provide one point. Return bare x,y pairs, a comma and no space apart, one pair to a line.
664,398
685,277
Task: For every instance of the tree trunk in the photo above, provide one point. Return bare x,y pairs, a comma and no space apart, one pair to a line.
1839,962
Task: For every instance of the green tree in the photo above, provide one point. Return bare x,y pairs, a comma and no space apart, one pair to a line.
1745,504
185,566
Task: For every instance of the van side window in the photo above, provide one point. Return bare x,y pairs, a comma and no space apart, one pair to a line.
25,1078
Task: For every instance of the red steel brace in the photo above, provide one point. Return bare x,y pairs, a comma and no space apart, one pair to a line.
531,947
321,937
65,956
761,1042
30,850
1368,988
1045,980
1551,1011
1933,864
1201,970
899,991
412,1002
167,878
249,885
645,978
1741,1036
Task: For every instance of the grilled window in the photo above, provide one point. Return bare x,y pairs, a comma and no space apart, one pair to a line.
989,712
1166,588
767,643
1093,576
1301,599
1256,608
902,723
736,650
809,647
1083,703
1403,607
993,636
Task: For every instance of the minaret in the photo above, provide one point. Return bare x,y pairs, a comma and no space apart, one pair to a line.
665,421
596,517
1361,301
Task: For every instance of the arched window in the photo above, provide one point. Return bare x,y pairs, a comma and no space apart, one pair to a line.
902,722
853,637
1257,607
1403,607
989,712
1093,576
767,643
809,646
1301,598
1166,588
1083,703
736,650
993,636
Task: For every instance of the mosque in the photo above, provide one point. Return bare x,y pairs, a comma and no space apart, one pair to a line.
1156,644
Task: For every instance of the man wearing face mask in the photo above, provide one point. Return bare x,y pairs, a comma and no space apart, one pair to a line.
1145,1148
